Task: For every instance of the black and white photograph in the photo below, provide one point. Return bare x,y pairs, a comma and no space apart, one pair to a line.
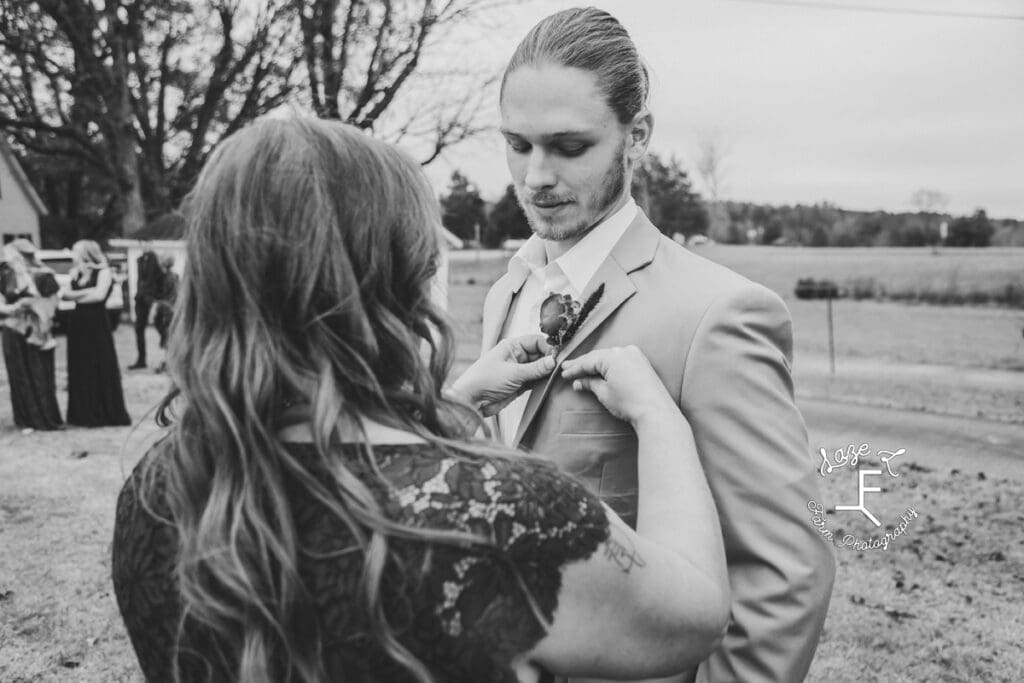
512,341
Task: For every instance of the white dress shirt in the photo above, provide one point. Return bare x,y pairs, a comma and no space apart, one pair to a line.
569,274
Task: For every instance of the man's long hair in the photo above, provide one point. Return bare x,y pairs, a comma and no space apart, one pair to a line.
311,250
588,39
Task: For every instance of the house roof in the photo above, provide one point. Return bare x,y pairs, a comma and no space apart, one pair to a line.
19,177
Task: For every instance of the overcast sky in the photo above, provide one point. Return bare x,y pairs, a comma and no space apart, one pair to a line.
855,108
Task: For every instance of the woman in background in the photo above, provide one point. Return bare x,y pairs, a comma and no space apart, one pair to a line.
95,396
27,307
319,511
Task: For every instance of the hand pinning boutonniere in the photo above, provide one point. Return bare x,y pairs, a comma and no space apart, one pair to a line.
561,316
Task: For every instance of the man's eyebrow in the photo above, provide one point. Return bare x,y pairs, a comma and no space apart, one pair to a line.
550,136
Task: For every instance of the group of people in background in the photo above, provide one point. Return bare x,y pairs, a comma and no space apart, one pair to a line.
30,297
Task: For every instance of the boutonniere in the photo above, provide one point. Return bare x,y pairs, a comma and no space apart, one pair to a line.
561,316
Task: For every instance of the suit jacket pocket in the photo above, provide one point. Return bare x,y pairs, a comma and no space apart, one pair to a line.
600,449
592,422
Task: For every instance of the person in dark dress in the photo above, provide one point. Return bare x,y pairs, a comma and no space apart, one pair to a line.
148,287
95,395
320,509
27,308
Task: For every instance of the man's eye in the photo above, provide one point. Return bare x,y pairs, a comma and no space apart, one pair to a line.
518,146
571,150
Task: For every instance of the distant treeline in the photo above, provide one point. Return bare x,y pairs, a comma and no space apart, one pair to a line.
664,190
660,186
825,225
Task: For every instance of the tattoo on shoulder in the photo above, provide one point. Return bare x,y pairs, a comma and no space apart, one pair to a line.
623,554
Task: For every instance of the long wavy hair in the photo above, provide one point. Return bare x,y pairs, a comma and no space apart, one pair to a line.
311,248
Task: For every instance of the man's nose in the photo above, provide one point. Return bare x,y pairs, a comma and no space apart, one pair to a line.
539,171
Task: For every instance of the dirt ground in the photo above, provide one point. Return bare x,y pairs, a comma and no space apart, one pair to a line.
942,603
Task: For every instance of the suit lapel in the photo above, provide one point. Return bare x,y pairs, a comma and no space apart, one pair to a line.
634,250
496,313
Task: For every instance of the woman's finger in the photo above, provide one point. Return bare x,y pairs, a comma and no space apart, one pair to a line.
591,384
526,349
535,345
589,364
514,350
535,370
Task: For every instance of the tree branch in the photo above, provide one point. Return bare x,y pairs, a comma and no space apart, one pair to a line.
82,148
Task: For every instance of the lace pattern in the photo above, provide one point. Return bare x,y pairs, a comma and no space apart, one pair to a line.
461,610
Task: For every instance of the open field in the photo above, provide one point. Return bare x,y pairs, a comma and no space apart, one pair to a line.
962,336
942,359
943,603
941,275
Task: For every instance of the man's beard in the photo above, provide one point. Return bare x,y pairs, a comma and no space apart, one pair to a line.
612,185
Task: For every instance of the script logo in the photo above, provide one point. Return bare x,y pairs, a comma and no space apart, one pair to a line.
850,458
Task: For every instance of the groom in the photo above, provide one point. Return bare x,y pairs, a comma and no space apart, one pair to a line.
574,117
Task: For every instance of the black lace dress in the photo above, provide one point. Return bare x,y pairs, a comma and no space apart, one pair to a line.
461,611
95,396
30,377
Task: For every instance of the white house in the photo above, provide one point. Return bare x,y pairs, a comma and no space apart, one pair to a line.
20,206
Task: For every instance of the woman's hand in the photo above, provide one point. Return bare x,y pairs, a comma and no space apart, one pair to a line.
623,380
504,372
94,294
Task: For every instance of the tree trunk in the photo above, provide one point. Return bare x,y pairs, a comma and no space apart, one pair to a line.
129,209
132,210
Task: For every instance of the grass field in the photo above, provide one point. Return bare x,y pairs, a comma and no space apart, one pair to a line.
913,275
941,359
942,605
962,336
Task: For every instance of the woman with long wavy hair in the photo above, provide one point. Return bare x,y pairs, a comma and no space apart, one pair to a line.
319,509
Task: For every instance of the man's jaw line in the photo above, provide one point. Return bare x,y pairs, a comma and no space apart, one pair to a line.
555,248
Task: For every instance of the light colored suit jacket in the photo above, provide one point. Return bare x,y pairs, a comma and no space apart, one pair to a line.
722,345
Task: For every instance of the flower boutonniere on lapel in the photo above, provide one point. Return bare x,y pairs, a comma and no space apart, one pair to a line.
561,316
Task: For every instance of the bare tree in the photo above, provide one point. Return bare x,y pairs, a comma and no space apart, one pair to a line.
711,153
116,104
927,200
361,54
124,100
712,150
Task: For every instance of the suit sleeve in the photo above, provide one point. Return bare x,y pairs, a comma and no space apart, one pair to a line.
737,392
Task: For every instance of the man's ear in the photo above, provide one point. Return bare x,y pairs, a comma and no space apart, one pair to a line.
640,132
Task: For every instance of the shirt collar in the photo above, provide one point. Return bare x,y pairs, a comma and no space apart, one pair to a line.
528,259
584,258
